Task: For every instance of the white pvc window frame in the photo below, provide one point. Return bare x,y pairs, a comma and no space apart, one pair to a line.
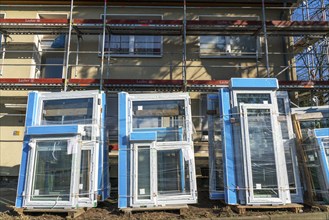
155,198
93,178
158,146
281,171
180,199
75,177
290,143
235,94
30,178
237,130
81,145
134,186
68,95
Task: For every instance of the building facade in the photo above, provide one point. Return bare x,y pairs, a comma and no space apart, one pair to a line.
160,42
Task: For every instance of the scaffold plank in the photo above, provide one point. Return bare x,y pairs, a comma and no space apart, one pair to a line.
144,84
164,27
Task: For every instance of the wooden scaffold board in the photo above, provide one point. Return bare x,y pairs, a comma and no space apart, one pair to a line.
70,213
242,209
180,208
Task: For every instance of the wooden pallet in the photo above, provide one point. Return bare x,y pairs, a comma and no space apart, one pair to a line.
180,208
242,209
70,213
324,208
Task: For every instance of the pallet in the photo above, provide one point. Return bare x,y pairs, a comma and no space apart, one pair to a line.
180,208
70,213
324,208
242,209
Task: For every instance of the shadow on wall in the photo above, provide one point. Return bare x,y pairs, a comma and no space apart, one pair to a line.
8,188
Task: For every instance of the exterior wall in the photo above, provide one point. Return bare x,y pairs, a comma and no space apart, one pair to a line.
168,66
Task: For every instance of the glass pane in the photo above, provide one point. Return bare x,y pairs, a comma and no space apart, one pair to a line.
262,159
256,98
325,145
216,164
281,106
84,188
147,45
284,129
173,173
67,111
144,173
52,175
52,64
243,45
290,170
119,44
213,45
167,118
311,124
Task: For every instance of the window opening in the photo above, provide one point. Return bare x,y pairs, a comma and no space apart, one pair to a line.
133,45
228,46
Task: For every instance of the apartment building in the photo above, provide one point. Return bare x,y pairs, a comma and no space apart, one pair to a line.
137,46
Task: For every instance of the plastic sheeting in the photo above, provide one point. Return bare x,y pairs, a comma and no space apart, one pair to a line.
156,157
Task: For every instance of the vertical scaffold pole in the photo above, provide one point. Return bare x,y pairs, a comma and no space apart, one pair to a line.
3,54
184,49
67,57
265,39
77,56
103,47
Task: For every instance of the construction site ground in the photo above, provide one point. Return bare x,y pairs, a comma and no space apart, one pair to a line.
205,209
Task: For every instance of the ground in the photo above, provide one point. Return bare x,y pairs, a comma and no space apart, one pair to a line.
205,209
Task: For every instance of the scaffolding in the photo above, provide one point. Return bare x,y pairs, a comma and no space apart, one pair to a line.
312,51
308,32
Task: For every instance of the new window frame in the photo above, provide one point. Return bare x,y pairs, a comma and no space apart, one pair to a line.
155,197
282,181
186,145
80,95
30,178
321,135
132,37
289,144
216,187
228,54
83,145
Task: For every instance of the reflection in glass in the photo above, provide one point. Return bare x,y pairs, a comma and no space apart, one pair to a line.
217,163
173,173
67,111
52,174
166,117
325,145
281,106
262,155
144,173
84,188
256,98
